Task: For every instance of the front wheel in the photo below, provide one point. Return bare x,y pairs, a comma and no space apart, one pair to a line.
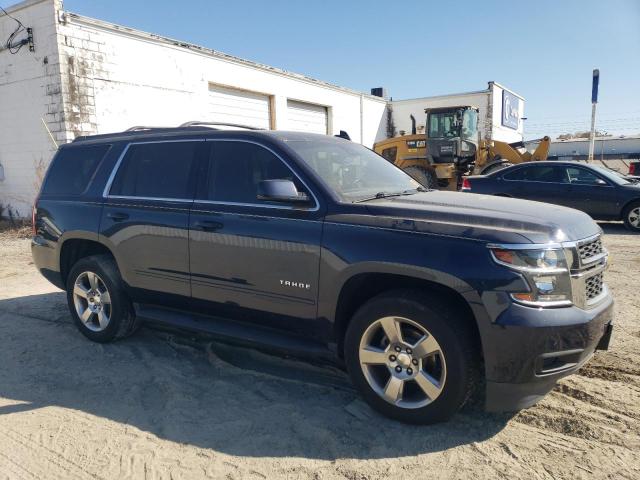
412,357
631,217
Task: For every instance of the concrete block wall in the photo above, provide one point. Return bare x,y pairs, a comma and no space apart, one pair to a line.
30,92
125,77
88,76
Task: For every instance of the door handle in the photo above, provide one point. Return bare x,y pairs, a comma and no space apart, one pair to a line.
118,216
208,225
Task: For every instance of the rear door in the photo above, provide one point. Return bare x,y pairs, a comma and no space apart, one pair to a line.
253,259
145,219
542,183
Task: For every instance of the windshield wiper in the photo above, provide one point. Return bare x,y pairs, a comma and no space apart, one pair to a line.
392,194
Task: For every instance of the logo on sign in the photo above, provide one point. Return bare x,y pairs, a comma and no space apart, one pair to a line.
510,110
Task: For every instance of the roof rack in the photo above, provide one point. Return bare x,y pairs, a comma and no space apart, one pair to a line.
197,123
138,128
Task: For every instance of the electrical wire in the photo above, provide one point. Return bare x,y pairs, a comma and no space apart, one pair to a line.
14,48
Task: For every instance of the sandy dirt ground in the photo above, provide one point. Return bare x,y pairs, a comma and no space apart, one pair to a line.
159,405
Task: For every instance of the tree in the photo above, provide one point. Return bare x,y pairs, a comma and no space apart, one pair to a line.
568,136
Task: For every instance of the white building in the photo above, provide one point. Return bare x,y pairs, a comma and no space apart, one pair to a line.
604,148
501,111
86,76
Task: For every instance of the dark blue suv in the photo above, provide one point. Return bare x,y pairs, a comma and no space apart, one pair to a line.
318,246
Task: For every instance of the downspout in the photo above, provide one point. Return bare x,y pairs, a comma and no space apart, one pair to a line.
361,119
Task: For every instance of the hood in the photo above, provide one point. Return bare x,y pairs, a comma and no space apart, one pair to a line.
483,217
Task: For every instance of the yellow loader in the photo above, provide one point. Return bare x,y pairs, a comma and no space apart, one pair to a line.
452,148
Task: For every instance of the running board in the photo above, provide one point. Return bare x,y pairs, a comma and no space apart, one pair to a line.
236,332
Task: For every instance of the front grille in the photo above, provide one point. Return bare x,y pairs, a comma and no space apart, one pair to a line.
588,250
593,286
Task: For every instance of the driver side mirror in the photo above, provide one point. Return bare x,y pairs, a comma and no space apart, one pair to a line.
281,191
600,181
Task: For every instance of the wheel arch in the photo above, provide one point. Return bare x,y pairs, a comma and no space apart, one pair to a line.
76,248
363,286
627,205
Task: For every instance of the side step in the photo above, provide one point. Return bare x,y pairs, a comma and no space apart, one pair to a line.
245,334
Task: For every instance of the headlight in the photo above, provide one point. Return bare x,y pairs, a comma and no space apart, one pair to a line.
544,269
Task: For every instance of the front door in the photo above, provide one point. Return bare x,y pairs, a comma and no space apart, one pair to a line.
252,259
592,194
145,219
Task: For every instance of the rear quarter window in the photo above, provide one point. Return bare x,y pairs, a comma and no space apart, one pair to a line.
73,168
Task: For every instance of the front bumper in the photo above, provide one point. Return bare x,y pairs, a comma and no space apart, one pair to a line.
533,347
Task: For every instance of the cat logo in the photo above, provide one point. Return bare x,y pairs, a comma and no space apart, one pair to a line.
302,285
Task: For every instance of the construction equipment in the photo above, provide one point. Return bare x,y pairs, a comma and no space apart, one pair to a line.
451,148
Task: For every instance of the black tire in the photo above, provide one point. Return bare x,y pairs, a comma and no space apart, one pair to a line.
122,320
448,327
426,178
631,216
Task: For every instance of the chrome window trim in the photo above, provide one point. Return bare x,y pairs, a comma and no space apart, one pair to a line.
315,208
579,167
114,172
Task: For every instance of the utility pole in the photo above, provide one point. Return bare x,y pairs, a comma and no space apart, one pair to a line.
594,101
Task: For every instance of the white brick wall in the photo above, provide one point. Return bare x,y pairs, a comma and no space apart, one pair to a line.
139,79
88,76
29,92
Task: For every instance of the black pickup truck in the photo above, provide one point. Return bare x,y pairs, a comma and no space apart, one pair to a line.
318,246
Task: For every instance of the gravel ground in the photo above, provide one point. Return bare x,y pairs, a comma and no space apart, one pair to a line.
163,406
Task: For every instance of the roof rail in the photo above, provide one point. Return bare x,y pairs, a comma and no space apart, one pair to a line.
138,128
197,123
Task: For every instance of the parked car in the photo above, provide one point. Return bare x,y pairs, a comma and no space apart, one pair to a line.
318,246
602,193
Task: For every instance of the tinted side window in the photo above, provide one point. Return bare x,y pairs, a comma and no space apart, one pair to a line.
73,169
390,154
156,170
540,173
236,169
581,176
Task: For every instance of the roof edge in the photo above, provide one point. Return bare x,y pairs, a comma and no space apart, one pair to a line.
21,5
208,52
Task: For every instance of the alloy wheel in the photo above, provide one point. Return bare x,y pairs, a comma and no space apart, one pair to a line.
634,217
92,301
402,362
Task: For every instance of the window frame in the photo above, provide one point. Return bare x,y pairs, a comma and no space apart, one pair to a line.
531,166
595,174
211,158
106,193
395,153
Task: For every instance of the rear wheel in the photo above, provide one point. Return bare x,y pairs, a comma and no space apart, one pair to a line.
95,294
412,357
426,178
631,217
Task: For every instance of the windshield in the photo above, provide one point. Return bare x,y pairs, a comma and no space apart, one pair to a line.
444,125
352,171
612,175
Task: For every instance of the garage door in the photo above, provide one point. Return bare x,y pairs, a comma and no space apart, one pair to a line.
306,117
237,106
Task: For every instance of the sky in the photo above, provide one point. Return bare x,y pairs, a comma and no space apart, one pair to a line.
544,50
